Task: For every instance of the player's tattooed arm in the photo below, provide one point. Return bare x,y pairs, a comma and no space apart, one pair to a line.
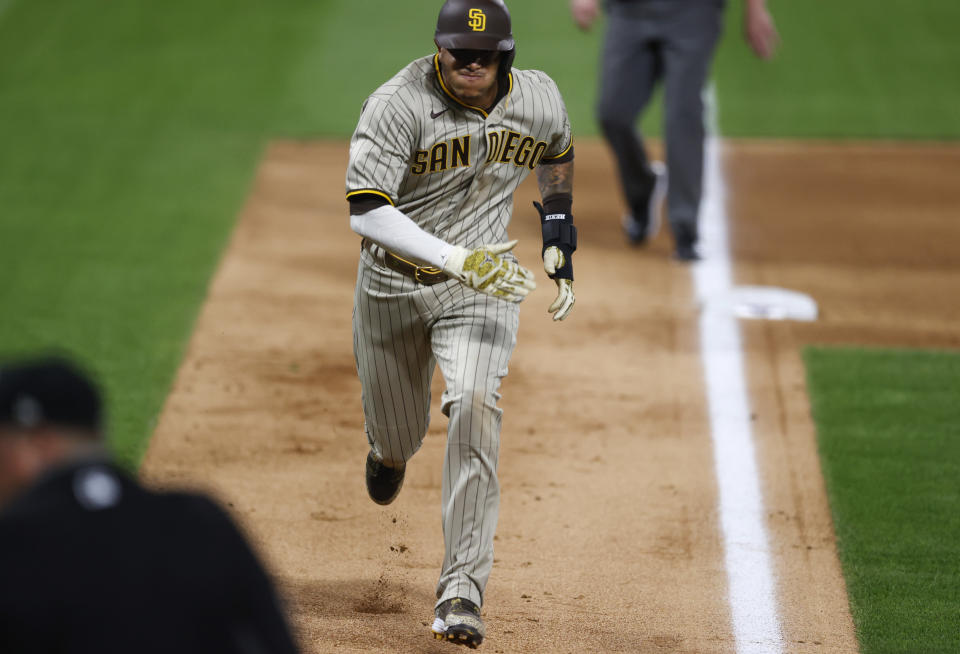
555,179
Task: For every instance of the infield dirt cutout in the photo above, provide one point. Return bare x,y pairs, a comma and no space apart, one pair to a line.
608,538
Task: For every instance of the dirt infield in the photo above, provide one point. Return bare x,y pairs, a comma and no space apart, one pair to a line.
608,538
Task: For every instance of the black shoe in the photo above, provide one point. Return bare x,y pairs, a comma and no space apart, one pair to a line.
686,252
383,482
458,621
685,236
644,222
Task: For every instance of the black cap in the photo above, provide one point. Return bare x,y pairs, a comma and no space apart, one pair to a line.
48,391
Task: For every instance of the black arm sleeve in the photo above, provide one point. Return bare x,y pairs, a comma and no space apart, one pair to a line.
362,203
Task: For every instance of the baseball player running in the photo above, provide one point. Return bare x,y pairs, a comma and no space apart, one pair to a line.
436,157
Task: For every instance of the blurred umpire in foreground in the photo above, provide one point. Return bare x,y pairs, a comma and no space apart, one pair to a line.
90,561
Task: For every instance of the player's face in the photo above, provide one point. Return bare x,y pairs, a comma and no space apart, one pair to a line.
471,75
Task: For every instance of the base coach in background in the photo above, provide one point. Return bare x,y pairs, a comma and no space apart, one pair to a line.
669,41
90,561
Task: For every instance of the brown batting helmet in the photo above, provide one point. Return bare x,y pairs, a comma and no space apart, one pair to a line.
475,25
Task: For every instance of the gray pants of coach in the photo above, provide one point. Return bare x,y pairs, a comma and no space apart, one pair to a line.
649,41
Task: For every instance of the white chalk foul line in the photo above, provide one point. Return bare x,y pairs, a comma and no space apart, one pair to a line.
752,591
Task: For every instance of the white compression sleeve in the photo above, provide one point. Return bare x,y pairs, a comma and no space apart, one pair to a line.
391,228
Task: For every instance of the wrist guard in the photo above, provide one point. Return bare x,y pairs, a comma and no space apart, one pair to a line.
556,222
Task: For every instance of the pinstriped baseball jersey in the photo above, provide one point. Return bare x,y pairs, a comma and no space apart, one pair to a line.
453,168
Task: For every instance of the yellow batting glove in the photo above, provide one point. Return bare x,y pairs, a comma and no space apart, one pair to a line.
485,270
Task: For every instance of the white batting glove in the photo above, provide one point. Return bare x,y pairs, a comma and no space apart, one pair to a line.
484,270
552,260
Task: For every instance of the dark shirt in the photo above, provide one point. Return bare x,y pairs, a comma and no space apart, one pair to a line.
90,561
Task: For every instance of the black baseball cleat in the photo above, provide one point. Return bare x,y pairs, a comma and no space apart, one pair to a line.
383,482
458,621
644,222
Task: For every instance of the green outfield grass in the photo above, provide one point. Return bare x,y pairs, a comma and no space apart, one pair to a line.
850,69
888,425
129,132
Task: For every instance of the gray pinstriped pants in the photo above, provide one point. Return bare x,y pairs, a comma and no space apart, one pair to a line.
401,331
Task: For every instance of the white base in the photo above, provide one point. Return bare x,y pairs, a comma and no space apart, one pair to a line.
764,303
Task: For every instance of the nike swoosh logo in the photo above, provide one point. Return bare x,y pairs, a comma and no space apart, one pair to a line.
437,114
